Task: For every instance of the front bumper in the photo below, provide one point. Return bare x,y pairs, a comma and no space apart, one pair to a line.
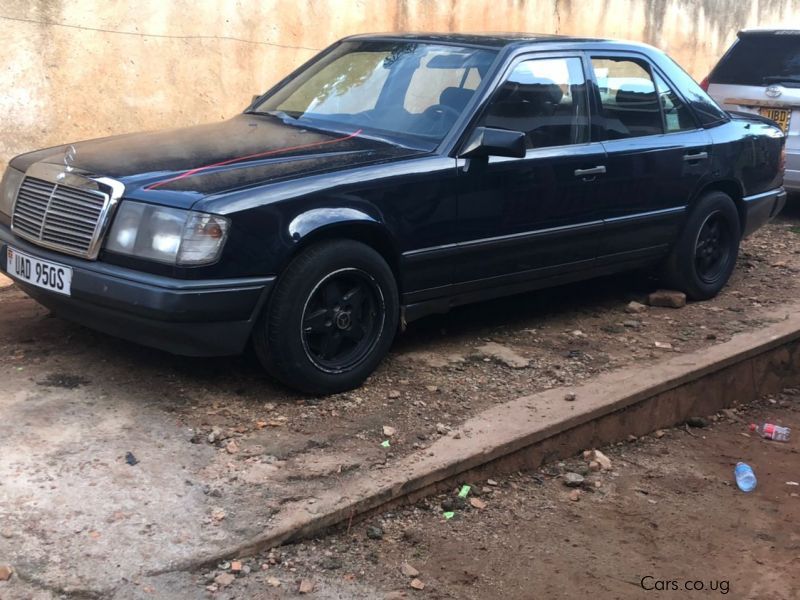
761,208
189,317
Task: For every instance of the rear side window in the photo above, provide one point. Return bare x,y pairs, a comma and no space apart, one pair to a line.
628,96
636,102
759,60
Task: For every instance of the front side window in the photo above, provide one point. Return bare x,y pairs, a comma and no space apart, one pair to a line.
405,89
546,100
628,97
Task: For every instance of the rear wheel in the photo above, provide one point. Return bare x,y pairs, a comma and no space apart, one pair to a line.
705,254
331,319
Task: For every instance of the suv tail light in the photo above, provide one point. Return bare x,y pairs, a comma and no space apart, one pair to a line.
704,84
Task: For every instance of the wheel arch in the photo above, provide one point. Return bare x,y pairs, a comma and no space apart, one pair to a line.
320,225
732,188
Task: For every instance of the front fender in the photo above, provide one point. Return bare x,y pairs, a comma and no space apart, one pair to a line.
319,224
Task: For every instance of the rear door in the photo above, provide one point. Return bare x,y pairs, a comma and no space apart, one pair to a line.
761,74
657,154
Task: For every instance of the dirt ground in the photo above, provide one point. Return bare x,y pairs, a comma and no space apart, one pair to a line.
666,521
225,448
439,371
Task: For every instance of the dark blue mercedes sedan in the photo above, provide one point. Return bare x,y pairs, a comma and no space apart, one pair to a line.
390,177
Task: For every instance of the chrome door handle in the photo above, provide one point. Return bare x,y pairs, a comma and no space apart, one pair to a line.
698,156
598,170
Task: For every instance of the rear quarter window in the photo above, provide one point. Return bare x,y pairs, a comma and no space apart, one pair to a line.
758,60
707,111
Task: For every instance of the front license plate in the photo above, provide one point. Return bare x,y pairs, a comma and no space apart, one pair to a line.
41,273
781,116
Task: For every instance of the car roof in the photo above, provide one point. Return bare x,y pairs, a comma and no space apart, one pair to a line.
492,40
768,31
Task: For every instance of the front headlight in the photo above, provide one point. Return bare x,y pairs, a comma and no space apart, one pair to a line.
9,187
168,235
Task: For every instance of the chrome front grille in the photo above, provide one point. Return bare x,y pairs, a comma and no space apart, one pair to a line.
69,216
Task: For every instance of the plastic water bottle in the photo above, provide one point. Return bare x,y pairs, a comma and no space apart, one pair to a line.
771,432
745,478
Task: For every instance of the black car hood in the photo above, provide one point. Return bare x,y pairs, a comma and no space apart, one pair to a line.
178,167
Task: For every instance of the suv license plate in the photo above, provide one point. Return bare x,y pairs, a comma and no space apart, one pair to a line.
41,273
780,115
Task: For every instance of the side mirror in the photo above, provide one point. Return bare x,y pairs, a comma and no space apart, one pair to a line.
488,141
255,97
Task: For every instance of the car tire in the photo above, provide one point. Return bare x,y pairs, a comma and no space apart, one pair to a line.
331,319
704,255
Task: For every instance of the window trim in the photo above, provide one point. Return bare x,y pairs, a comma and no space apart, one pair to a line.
502,76
654,69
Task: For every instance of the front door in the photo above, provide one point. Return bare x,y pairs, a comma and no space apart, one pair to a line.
521,219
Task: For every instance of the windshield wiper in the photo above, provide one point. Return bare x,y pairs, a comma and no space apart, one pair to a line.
785,80
278,114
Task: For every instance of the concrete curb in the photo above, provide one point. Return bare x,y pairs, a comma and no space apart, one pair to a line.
525,432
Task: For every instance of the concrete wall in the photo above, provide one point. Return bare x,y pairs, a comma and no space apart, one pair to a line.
76,69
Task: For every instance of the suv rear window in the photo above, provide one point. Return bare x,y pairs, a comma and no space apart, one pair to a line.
760,59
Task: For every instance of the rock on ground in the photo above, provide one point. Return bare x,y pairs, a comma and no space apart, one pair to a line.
504,355
601,459
634,307
667,298
573,479
432,359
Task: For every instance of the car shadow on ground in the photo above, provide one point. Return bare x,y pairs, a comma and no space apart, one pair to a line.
525,310
462,325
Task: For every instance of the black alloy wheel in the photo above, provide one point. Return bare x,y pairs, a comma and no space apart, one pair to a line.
331,318
712,249
704,255
342,320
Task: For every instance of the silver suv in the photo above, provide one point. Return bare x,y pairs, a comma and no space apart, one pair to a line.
760,73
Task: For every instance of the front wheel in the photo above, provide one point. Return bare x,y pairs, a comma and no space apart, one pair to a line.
331,319
705,254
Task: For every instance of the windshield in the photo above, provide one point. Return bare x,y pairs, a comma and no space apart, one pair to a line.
403,89
759,60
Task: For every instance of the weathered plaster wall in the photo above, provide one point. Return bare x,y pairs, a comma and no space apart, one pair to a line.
75,69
